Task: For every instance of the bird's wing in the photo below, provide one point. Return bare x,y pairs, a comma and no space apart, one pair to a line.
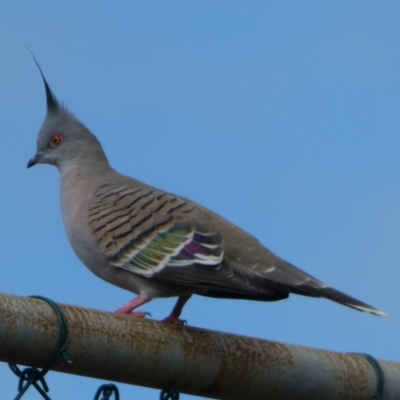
167,238
145,231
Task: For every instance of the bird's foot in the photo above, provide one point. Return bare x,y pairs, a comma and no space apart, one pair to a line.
129,307
174,320
140,314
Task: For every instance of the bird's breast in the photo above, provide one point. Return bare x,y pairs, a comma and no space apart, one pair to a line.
74,195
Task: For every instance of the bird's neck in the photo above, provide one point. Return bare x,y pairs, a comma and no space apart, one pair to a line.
78,179
87,165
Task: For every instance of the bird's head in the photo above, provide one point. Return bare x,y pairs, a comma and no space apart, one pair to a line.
62,139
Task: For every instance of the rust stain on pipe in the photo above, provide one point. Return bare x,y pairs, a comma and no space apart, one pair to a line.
195,361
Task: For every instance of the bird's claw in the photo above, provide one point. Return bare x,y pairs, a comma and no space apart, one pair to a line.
174,320
147,313
140,314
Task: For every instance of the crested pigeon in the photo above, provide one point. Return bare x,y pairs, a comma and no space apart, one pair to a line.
154,243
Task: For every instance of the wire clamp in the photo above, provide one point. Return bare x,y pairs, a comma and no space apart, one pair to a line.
32,375
380,375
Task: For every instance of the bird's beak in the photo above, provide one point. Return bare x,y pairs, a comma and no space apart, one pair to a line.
34,160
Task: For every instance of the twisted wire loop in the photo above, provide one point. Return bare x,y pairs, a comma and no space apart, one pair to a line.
169,395
106,391
380,375
33,376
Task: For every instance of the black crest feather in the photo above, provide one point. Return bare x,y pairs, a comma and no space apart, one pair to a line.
52,104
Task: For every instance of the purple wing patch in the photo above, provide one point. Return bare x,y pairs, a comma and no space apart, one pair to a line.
204,249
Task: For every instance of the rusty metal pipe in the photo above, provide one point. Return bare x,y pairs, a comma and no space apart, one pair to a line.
191,360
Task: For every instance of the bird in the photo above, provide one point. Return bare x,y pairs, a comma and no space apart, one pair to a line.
154,243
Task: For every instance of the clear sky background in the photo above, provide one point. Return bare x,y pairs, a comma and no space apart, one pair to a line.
284,117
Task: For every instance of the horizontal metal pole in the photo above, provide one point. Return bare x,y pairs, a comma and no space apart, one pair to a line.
195,361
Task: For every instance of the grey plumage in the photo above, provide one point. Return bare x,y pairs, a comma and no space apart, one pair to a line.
154,243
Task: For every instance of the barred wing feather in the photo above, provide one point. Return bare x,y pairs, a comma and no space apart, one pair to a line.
144,230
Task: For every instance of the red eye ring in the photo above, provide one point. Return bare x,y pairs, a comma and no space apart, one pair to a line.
56,140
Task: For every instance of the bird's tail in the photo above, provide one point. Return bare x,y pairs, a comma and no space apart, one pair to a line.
341,298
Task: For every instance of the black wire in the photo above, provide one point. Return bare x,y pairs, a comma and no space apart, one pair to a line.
169,395
31,375
106,391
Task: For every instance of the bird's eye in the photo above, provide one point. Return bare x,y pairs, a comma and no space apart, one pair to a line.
56,140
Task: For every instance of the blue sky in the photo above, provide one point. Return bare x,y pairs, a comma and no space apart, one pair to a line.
281,116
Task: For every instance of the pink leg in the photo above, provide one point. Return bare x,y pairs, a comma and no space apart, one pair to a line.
129,307
176,311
